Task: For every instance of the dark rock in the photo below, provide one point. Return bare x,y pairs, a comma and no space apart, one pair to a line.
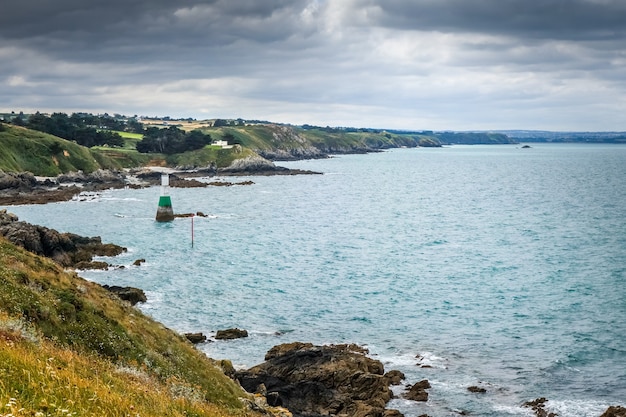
186,183
476,389
418,391
130,294
321,380
67,249
538,406
231,334
20,181
195,338
614,411
392,413
92,265
138,262
394,377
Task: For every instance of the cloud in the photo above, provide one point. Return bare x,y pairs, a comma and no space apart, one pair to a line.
439,64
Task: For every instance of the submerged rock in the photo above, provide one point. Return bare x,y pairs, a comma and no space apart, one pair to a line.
320,380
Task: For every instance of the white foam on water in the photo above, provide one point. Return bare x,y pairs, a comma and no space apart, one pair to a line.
576,408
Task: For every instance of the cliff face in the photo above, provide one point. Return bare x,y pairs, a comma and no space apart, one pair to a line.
284,143
292,143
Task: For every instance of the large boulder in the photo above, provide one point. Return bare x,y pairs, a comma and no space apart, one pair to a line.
320,380
418,392
229,334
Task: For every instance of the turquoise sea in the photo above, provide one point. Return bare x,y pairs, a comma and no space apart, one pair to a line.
494,266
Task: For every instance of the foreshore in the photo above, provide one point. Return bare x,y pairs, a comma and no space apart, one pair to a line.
25,188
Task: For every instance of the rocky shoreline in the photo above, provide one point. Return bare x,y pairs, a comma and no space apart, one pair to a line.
26,188
307,380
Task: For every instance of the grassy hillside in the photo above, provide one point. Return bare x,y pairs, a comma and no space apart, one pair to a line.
46,155
287,142
69,347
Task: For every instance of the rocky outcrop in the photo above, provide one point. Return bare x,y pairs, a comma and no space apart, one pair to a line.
394,377
538,407
196,338
251,164
112,179
20,181
130,294
418,392
614,411
67,249
25,188
229,334
314,380
257,165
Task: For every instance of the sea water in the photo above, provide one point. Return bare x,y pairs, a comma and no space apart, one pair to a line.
494,266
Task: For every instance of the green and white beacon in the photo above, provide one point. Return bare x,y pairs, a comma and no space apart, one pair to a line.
165,212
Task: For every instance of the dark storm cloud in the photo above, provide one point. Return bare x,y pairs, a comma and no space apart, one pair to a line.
544,19
392,63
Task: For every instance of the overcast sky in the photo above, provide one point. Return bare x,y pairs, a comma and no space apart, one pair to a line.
404,64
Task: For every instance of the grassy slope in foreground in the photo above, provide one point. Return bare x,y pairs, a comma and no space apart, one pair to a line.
68,347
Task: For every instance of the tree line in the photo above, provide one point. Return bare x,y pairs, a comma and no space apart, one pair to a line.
85,129
172,140
97,130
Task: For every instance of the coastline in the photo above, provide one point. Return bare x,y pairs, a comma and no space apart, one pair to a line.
264,381
25,188
547,404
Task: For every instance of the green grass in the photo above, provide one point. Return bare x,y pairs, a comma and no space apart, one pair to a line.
42,154
68,344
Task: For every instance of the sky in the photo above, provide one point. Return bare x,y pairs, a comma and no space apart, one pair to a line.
396,64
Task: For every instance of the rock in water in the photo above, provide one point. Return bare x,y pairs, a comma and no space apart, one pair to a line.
614,411
130,294
418,391
321,380
231,334
195,338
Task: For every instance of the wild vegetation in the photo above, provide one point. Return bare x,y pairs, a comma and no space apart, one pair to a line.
68,347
